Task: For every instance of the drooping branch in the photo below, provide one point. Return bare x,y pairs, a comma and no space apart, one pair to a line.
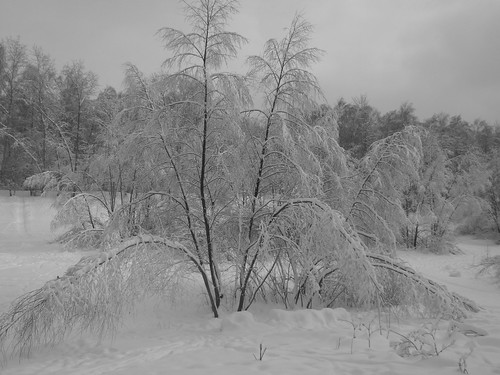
458,305
375,204
91,295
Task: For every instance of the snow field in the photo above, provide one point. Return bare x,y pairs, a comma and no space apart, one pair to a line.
177,335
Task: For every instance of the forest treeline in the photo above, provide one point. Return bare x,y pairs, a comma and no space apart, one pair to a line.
61,121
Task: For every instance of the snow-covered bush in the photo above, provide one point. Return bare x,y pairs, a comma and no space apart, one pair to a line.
83,218
44,181
425,341
490,264
315,255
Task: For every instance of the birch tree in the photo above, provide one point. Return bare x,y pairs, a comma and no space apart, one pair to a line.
423,191
377,185
282,165
195,163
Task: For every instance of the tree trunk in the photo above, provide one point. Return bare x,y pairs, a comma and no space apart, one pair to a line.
206,221
77,140
415,237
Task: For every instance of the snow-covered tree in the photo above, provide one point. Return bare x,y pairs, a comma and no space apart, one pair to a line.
258,202
493,189
377,187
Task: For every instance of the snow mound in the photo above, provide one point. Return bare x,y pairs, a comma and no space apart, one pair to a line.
301,319
455,273
238,321
309,319
468,329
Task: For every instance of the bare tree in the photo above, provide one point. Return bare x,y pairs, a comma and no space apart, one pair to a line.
39,92
15,58
493,190
77,88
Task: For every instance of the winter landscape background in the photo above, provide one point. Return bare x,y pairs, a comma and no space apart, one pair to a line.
223,215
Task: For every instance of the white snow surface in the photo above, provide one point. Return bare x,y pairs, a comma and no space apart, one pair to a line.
181,337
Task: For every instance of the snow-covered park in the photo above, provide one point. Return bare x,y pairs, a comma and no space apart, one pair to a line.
180,336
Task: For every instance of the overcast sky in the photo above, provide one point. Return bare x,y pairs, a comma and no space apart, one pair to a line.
440,55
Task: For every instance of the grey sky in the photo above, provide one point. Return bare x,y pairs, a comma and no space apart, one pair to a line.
440,55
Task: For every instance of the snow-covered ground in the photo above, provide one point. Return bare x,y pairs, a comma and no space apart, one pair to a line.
182,338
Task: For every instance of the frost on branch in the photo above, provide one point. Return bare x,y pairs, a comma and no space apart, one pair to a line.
409,290
314,255
92,295
83,218
310,256
43,181
490,264
376,211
